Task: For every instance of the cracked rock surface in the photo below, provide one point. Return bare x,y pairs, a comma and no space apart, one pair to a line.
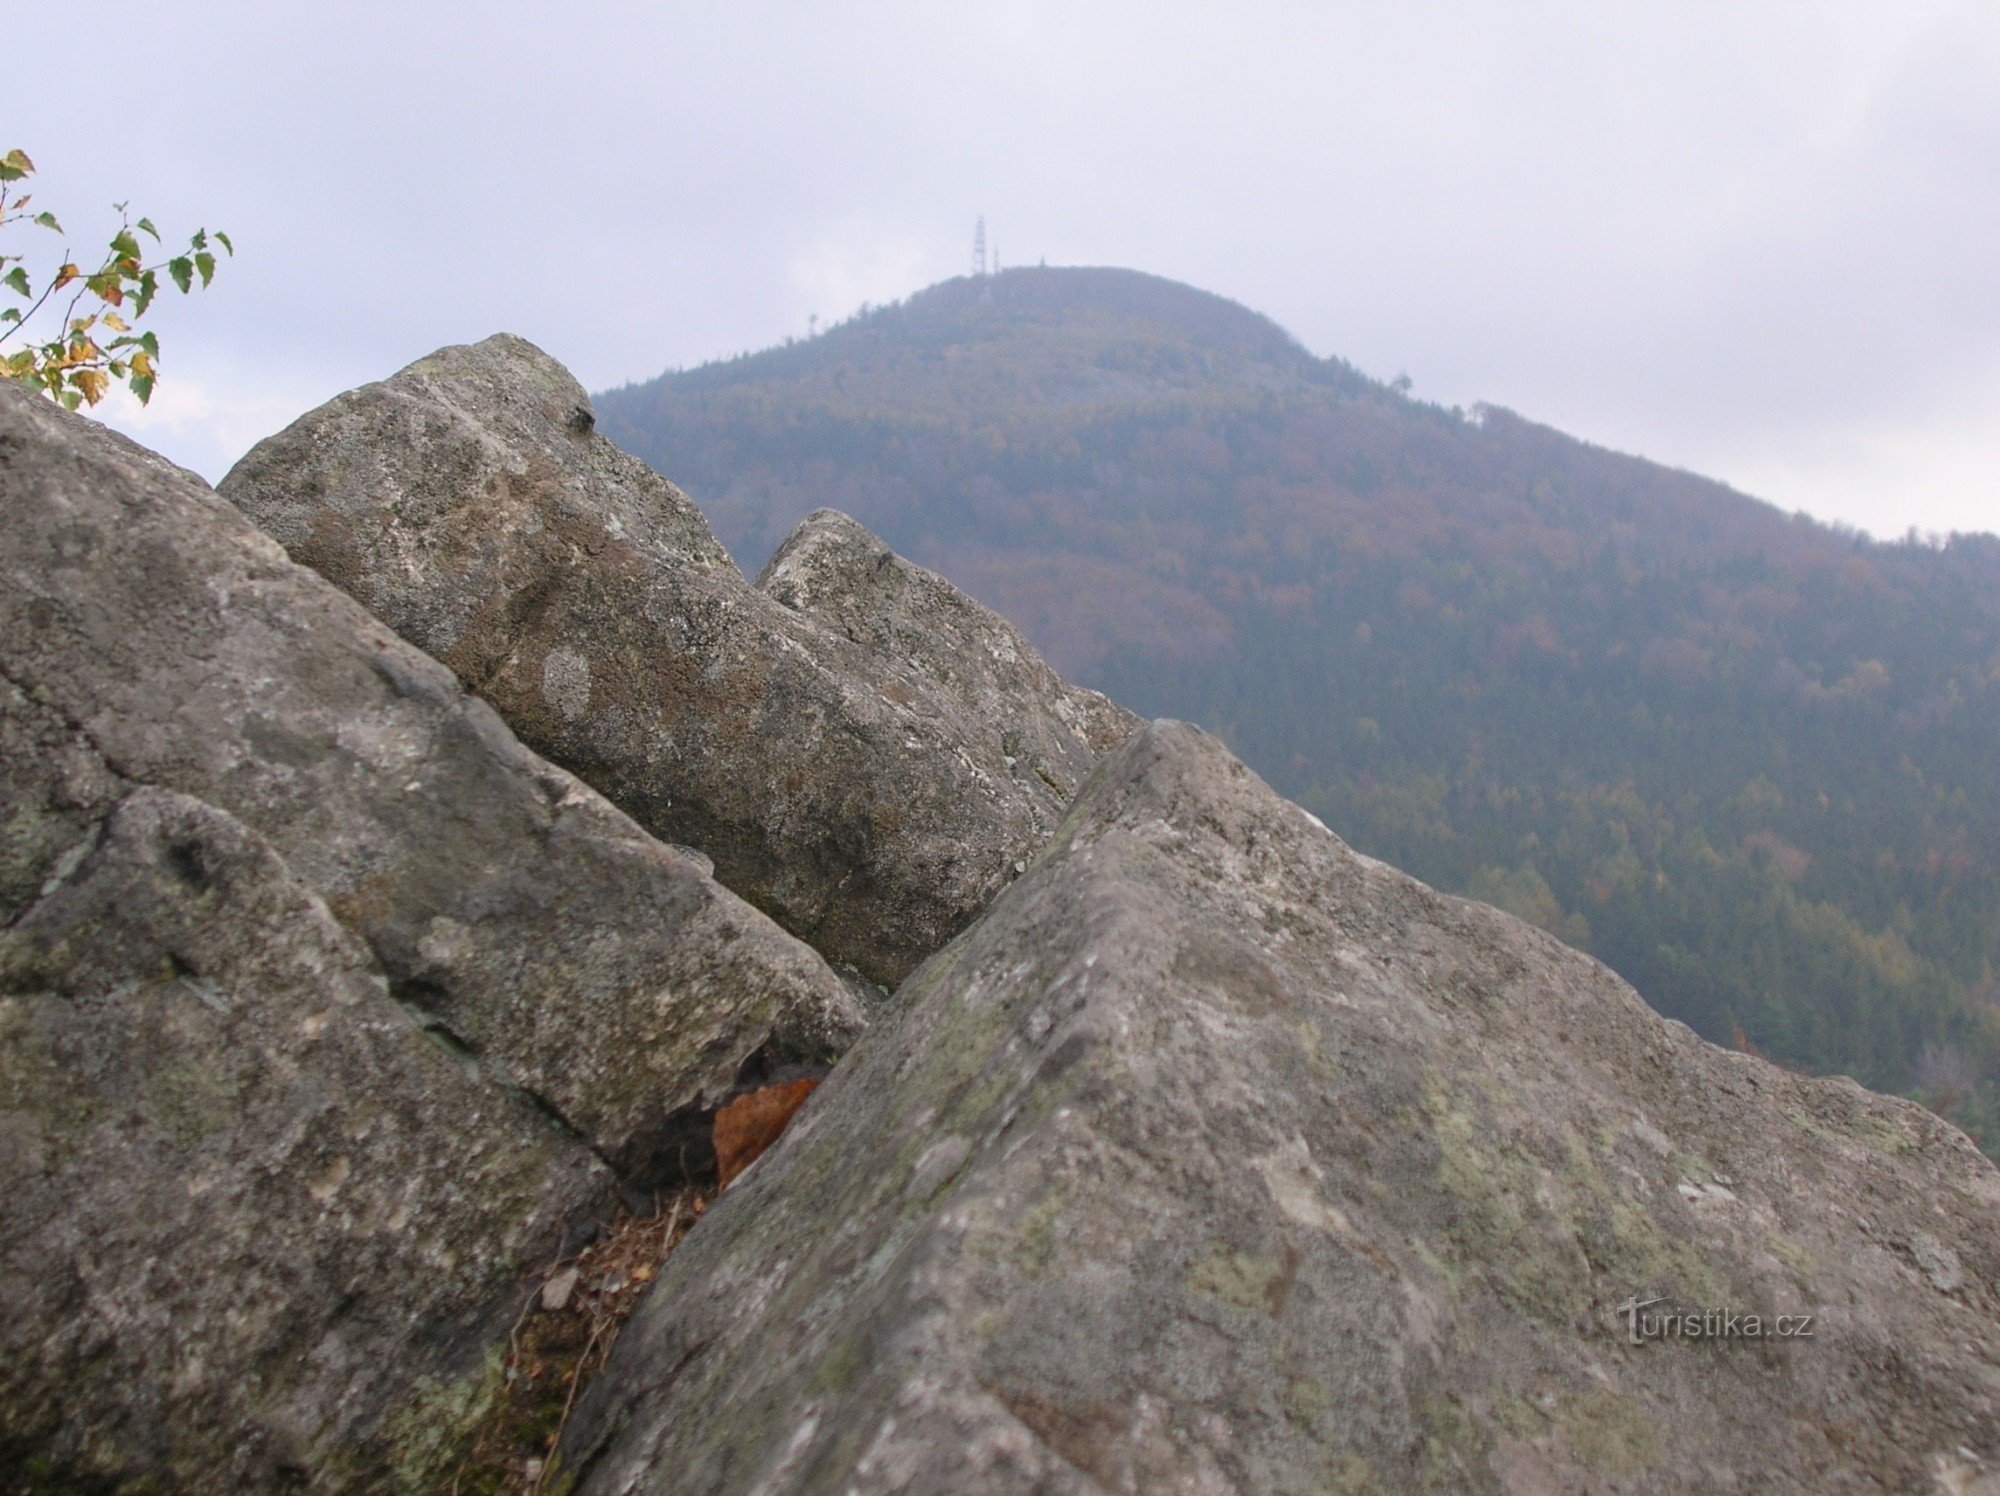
869,787
326,1008
251,1207
1216,1157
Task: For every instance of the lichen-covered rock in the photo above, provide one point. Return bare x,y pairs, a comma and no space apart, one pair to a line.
834,570
255,1218
327,1011
866,806
149,635
1216,1157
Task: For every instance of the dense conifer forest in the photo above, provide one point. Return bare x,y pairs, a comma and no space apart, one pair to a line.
1746,759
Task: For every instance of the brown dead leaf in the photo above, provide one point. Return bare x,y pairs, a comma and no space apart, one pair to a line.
751,1123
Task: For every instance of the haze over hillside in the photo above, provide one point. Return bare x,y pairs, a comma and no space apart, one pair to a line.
1743,757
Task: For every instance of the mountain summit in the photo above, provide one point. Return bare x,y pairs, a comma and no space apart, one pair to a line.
1089,335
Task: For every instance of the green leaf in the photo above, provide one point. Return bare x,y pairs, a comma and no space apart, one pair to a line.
14,166
200,239
12,314
142,386
150,343
205,263
124,246
223,239
149,283
146,225
17,280
70,399
48,221
181,268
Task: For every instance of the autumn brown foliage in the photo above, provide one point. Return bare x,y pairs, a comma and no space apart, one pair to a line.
750,1124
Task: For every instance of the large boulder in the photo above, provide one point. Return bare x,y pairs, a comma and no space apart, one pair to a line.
864,803
150,635
315,982
1217,1157
259,1229
832,569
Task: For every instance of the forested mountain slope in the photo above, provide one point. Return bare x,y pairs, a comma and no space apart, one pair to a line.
1746,759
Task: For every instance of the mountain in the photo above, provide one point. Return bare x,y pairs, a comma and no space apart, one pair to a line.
1743,757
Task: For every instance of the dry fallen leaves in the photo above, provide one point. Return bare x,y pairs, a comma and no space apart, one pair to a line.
564,1333
575,1310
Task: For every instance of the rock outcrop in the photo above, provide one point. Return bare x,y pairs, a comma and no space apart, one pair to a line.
1204,1155
326,1008
871,803
1217,1157
832,569
259,1228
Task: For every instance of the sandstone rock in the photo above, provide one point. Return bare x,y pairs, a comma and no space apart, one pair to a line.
262,865
1217,1157
868,806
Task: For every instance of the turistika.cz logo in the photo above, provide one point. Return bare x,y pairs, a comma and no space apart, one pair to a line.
1709,1324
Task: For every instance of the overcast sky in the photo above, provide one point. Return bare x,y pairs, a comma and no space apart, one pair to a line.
1758,240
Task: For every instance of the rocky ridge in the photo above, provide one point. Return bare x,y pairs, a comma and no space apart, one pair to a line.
326,1009
868,805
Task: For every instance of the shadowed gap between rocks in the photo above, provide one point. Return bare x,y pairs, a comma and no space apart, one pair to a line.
671,1158
572,1312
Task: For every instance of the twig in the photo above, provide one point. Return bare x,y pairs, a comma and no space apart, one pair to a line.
569,1401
